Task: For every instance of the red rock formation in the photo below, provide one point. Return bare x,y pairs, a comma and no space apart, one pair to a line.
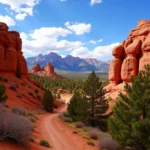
131,58
36,68
11,58
47,71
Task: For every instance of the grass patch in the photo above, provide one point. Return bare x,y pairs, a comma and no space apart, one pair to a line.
75,132
31,139
90,143
44,143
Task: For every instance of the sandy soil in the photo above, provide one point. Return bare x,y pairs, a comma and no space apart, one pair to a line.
66,97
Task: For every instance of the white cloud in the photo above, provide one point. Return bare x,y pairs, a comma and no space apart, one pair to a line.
21,7
45,39
79,28
8,20
21,16
50,32
98,52
95,2
95,42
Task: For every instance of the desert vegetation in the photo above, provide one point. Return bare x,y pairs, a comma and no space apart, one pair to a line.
48,101
90,106
14,127
127,128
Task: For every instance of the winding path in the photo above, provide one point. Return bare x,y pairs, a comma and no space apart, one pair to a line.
52,130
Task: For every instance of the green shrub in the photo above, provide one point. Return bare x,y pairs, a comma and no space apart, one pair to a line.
3,97
79,124
19,111
78,108
108,143
44,143
48,101
67,119
94,133
31,139
75,132
90,143
14,127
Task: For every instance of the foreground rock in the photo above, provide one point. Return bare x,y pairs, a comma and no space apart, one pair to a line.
11,58
129,58
14,73
47,71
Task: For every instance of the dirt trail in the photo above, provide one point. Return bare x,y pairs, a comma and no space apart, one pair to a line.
53,131
58,139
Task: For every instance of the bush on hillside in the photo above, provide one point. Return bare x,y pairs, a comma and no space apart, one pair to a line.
14,127
19,111
3,97
44,143
48,101
79,124
94,133
108,143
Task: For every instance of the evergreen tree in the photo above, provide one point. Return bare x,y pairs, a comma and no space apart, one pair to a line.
130,125
78,108
48,101
3,97
98,105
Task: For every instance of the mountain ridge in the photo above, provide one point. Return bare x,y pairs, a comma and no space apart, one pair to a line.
68,63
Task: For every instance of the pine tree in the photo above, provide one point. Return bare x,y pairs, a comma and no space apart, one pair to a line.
78,108
130,125
98,105
3,97
48,101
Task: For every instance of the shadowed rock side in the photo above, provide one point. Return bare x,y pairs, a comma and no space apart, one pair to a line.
129,58
11,58
47,71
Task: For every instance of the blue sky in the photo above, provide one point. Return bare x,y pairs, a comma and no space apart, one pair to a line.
83,28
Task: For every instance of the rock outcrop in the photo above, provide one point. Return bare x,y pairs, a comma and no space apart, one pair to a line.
11,58
130,57
48,71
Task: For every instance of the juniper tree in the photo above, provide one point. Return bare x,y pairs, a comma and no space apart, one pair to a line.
130,125
48,101
78,108
98,105
3,97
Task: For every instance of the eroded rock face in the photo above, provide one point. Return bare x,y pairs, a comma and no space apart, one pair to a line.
49,69
36,68
131,56
11,58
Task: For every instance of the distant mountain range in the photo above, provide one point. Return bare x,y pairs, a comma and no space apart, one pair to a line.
69,63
